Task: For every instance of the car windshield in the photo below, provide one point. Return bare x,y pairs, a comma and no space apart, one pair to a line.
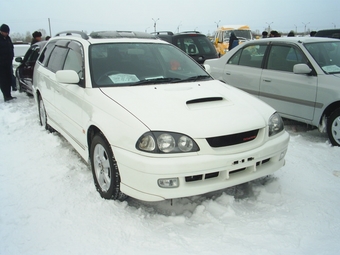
326,54
132,64
240,34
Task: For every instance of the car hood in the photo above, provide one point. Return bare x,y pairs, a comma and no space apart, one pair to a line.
206,109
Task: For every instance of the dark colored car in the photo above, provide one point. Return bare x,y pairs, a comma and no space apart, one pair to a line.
331,33
195,44
24,72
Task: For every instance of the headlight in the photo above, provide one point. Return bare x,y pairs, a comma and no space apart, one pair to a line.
166,142
275,124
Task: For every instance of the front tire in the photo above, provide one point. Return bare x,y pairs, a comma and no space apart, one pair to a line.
105,169
333,127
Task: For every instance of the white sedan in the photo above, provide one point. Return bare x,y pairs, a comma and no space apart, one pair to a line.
20,50
298,76
153,124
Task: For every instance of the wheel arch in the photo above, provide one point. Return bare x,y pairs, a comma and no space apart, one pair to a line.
329,110
91,132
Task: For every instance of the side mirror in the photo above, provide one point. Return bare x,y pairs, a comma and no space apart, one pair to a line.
67,76
301,69
18,59
207,68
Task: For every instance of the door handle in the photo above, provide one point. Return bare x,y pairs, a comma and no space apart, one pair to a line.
267,80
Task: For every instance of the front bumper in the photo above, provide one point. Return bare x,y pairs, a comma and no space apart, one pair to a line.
197,174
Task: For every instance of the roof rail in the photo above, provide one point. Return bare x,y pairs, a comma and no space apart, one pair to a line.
184,32
121,34
71,32
163,33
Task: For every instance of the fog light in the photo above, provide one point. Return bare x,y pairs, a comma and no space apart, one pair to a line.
282,155
168,183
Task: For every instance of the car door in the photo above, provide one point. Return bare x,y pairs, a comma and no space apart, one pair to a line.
25,70
292,95
243,70
68,98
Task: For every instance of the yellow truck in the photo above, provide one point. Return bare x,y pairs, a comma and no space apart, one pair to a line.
221,40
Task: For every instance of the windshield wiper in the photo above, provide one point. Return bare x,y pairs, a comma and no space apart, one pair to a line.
156,81
196,78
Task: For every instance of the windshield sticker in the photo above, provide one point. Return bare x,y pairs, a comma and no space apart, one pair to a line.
123,78
331,69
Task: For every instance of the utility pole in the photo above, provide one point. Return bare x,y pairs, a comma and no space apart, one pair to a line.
49,25
269,26
154,24
305,26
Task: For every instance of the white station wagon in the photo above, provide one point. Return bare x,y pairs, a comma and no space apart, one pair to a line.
150,120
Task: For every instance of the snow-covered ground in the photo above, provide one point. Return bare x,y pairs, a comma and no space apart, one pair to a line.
48,203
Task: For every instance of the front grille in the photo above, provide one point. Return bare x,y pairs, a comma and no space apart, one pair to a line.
200,177
228,140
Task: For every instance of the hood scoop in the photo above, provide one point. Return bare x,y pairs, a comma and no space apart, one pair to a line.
204,100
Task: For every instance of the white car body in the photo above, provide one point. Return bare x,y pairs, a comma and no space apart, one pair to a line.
124,113
304,90
19,51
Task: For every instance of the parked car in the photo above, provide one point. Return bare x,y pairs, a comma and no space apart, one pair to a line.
24,71
153,124
331,33
298,76
195,44
20,49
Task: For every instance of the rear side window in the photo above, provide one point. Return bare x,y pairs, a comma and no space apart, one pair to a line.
251,56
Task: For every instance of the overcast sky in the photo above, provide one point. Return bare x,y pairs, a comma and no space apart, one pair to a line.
175,15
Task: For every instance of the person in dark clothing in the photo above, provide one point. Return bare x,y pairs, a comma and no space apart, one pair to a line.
274,33
264,34
233,41
291,34
6,58
36,37
312,33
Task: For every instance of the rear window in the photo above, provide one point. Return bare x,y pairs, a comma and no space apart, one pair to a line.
194,45
331,33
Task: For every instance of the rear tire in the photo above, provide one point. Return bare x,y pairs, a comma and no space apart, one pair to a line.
333,127
105,169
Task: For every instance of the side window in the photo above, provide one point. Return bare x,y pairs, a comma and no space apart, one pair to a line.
74,59
57,59
251,56
45,55
28,54
33,57
74,62
235,59
283,58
